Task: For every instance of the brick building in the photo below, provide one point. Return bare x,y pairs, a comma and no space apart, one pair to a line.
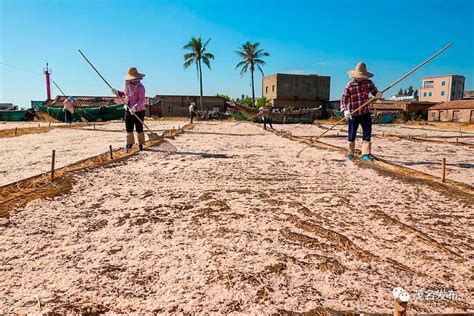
298,91
178,105
453,111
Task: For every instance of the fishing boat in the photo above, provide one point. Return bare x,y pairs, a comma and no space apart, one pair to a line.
377,118
243,112
91,114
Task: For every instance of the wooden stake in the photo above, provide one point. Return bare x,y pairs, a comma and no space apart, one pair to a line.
443,170
16,131
94,127
400,308
52,164
49,124
39,125
111,153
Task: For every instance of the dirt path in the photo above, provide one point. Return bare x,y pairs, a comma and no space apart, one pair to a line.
236,223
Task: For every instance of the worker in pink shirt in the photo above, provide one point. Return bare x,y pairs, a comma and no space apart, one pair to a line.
133,95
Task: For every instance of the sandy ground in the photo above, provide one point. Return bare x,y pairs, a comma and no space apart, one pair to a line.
236,223
152,124
29,155
422,156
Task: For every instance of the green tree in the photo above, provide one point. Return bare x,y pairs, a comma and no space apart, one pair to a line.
410,90
262,101
197,55
251,56
224,96
400,92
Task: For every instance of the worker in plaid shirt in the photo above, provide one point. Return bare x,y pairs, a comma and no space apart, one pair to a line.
355,94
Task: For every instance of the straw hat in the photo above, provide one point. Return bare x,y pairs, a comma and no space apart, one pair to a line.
360,71
133,74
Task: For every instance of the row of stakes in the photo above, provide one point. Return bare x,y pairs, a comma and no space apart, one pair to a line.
53,156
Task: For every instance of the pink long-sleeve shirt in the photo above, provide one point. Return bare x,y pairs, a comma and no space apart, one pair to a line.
137,99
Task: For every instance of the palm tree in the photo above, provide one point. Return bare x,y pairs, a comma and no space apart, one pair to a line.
197,54
252,58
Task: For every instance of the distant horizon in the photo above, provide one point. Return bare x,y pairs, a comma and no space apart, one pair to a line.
304,37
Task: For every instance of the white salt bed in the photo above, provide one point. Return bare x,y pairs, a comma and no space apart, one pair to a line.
422,156
11,125
29,155
236,224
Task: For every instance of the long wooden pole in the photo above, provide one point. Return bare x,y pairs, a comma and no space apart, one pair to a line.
108,84
383,91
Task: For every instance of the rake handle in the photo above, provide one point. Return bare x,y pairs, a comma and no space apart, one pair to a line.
108,84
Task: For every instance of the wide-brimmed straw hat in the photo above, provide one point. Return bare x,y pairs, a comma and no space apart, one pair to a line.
133,74
360,71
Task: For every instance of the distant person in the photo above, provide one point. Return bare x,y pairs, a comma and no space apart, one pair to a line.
266,116
68,108
355,94
192,111
133,95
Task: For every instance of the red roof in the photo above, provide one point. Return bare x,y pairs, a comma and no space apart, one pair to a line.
459,104
85,101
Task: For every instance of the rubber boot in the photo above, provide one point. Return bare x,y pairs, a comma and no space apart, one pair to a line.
351,150
141,140
366,151
130,141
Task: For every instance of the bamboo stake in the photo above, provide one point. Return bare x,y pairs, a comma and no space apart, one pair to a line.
16,131
53,158
111,153
443,170
372,99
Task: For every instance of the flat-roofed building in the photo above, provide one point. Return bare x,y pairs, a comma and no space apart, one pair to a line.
297,91
442,88
454,111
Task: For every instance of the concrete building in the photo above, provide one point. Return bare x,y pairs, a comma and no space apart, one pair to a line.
454,111
178,105
442,88
298,91
406,109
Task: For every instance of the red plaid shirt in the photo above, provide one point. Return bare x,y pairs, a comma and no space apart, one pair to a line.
356,94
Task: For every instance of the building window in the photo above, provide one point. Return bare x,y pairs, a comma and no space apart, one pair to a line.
442,92
287,87
443,83
430,94
273,88
472,116
424,94
428,84
266,89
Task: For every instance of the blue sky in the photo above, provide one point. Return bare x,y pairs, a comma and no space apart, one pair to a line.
321,37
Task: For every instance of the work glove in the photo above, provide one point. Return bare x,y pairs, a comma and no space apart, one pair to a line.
379,95
347,115
115,91
133,110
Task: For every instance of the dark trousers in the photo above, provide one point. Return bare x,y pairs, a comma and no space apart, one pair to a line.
67,116
267,120
192,114
364,120
131,121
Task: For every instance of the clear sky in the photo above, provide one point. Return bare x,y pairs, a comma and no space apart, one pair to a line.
317,37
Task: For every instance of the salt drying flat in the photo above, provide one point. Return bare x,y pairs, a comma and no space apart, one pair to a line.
392,143
29,155
234,223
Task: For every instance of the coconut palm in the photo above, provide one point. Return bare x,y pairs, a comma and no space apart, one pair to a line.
251,59
197,54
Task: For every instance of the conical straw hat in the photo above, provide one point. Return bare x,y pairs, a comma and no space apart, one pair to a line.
133,74
360,71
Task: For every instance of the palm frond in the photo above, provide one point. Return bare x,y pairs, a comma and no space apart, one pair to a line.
205,60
